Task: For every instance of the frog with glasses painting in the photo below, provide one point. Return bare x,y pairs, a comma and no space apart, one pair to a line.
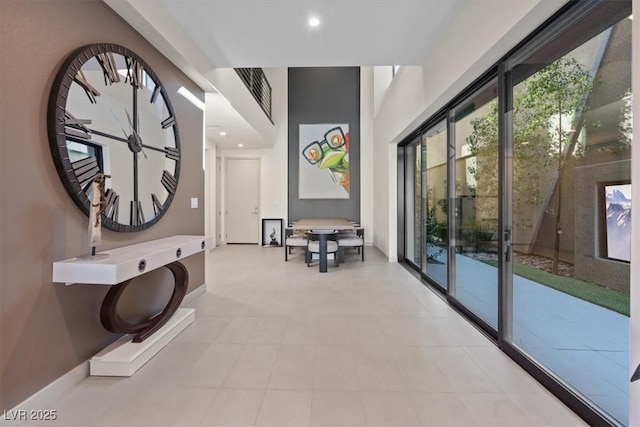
331,153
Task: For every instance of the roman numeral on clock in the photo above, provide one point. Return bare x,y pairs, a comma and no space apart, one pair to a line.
109,67
168,122
91,91
172,153
155,94
76,127
169,181
134,72
157,206
137,216
85,170
112,204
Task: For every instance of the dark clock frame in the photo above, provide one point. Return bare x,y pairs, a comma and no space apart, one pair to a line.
58,139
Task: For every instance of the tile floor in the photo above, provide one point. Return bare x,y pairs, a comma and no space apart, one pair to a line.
279,344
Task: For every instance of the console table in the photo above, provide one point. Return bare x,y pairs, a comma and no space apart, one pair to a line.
116,268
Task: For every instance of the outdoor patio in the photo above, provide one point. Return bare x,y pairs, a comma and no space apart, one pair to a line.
584,344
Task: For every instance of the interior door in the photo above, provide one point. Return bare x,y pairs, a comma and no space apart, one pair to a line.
243,197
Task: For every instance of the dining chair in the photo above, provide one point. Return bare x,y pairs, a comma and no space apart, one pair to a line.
352,240
313,247
294,239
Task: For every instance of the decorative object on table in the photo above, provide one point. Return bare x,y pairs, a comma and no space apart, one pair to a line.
109,113
271,232
324,162
273,241
98,204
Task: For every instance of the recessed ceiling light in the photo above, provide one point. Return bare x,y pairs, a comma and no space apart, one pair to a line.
314,22
240,145
223,133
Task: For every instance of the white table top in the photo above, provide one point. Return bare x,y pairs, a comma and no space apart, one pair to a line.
116,265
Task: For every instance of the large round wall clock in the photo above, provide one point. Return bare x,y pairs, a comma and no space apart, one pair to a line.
109,113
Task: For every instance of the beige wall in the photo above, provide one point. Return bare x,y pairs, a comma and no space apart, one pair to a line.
47,329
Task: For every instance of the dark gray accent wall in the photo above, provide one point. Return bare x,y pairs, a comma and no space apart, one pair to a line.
324,95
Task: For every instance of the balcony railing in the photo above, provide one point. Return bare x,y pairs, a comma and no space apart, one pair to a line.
259,86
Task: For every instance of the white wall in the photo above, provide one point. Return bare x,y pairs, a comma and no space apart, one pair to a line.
403,102
480,35
366,152
273,193
634,359
382,76
273,161
210,208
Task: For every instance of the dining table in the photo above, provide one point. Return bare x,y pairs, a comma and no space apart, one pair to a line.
320,225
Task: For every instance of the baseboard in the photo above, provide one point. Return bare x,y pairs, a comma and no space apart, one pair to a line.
194,294
51,393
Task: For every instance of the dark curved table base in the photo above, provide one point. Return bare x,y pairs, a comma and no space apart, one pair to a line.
112,321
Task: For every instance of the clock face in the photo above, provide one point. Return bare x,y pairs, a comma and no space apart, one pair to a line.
109,113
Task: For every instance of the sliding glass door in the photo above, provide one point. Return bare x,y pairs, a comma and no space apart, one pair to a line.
474,250
571,208
435,204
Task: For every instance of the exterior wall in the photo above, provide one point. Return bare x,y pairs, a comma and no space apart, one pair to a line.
48,329
594,269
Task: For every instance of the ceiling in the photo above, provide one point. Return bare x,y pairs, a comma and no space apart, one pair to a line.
202,35
220,116
262,33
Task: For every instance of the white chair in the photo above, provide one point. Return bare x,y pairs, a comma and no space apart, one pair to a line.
293,239
352,240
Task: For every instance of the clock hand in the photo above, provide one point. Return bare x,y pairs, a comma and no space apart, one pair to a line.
130,123
108,135
118,121
135,134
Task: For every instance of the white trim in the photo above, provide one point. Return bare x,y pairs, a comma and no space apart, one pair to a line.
51,393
